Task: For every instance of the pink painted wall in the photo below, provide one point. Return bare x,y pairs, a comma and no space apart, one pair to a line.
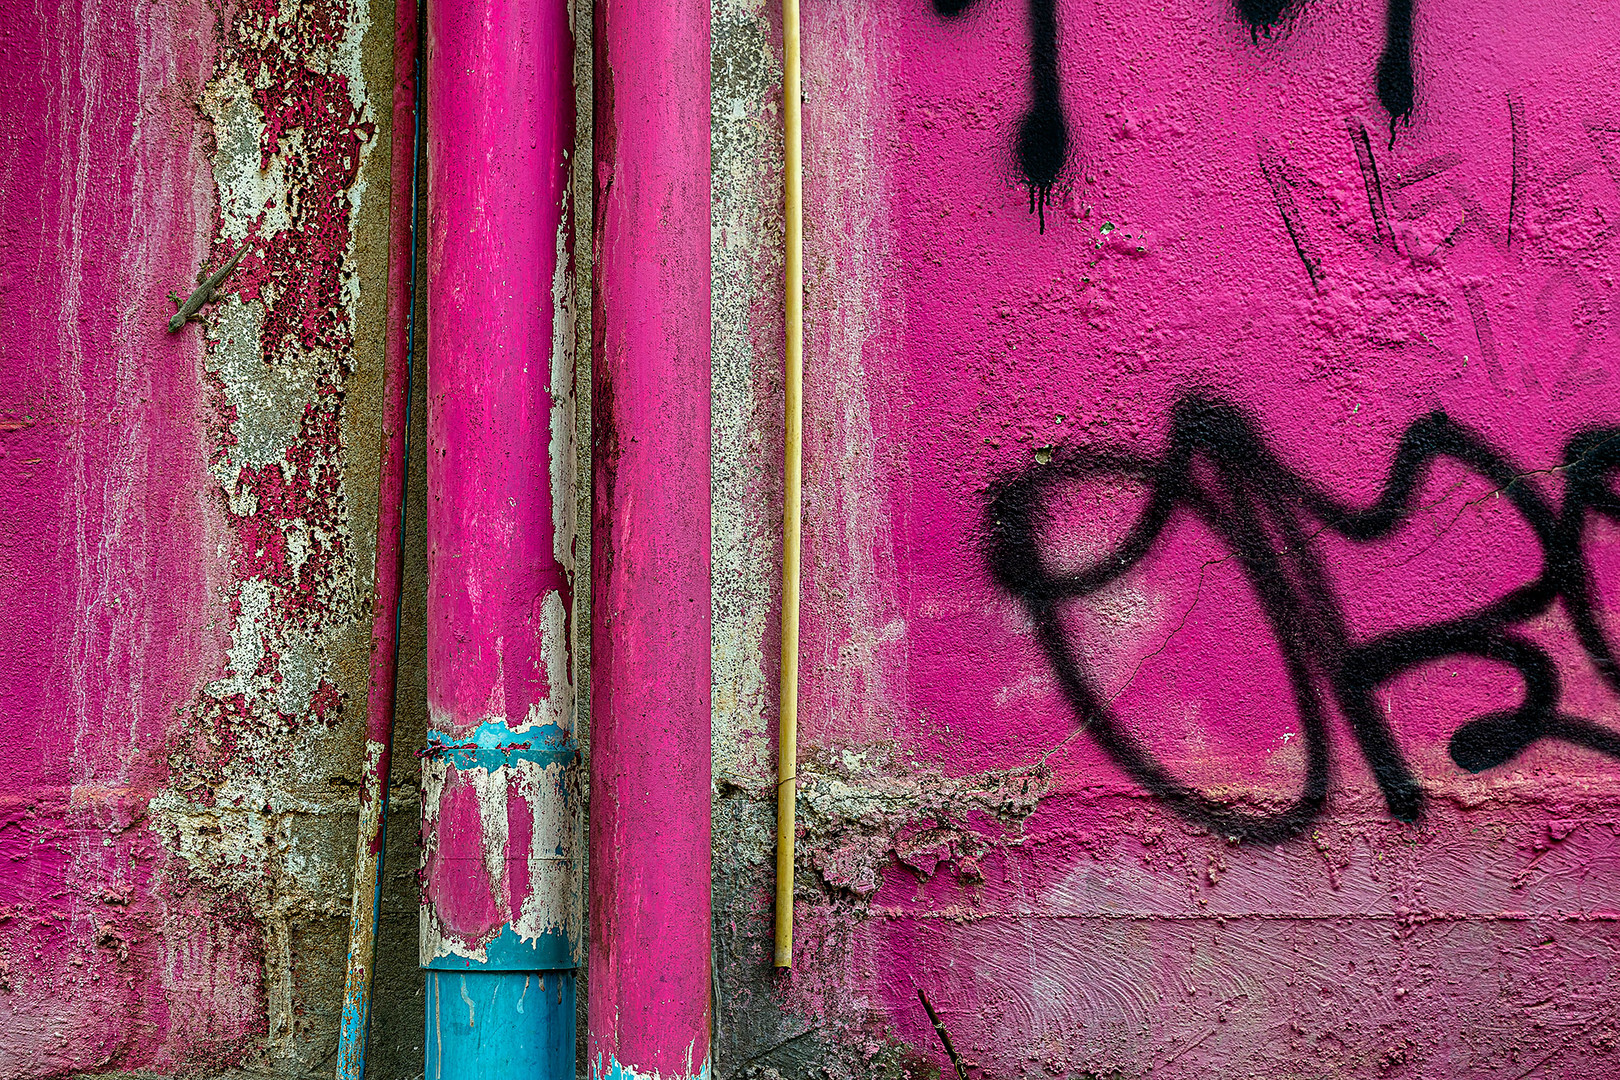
966,834
107,552
186,549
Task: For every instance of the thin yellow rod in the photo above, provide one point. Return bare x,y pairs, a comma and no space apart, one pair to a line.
788,729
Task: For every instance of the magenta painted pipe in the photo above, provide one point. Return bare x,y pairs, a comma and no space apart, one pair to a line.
650,765
366,904
500,915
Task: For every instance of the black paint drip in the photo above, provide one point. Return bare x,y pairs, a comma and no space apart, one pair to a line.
1042,143
1394,80
1264,15
1043,134
1396,90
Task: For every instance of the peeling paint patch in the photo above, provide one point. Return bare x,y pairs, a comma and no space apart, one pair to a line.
506,797
862,811
501,850
250,806
607,1067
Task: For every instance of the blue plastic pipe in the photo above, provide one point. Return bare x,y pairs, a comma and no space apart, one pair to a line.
499,1023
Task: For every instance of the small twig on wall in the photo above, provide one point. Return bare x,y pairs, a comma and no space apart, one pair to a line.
944,1036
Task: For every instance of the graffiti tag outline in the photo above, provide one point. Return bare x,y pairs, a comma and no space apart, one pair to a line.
1219,467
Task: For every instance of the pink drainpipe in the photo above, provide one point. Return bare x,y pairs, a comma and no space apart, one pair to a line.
500,913
649,887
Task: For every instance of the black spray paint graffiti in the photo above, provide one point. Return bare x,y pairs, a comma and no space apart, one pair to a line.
1392,80
1219,469
1042,146
1043,142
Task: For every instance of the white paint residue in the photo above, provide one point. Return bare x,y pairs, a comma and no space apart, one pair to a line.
563,448
552,904
558,706
245,191
1034,683
471,1012
491,791
269,398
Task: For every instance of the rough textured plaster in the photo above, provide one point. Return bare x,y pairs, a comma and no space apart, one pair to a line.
1090,931
582,183
395,1046
195,853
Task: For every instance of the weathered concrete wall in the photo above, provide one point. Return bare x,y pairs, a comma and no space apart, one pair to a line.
1111,816
1132,738
189,524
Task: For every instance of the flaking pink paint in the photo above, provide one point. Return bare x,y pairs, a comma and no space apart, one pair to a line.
455,882
1106,933
466,902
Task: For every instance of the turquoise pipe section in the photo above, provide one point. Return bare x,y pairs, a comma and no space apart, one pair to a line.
494,744
488,1024
504,1007
550,754
552,950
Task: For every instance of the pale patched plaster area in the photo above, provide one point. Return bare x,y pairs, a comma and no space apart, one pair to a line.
551,906
745,417
253,809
